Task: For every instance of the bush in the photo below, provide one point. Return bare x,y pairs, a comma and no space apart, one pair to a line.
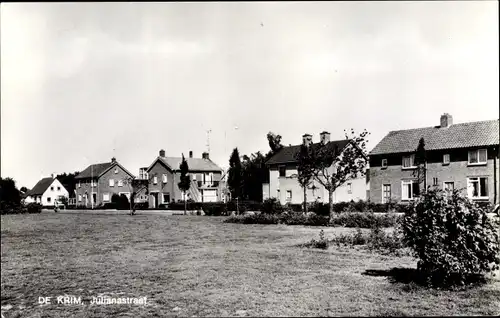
452,237
260,218
322,243
34,208
364,220
320,208
141,205
214,209
271,206
350,239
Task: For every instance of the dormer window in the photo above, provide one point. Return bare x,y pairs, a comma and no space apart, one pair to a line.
478,157
409,162
384,163
446,159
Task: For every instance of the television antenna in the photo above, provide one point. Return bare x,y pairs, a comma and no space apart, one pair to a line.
208,139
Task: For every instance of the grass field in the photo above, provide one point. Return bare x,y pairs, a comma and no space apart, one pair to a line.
199,266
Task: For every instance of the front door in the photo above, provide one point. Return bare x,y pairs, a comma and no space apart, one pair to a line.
94,198
155,199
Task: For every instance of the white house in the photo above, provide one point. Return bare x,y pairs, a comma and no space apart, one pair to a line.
47,192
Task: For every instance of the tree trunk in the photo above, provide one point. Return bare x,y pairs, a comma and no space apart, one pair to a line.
185,204
330,204
305,199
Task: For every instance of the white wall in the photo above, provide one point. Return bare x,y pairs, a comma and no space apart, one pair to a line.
53,193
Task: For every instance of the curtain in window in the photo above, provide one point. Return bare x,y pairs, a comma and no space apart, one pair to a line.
473,156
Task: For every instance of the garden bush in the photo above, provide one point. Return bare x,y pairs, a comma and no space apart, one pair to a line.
453,238
364,220
320,208
260,218
322,243
271,206
34,208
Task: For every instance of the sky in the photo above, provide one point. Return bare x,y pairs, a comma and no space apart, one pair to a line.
83,82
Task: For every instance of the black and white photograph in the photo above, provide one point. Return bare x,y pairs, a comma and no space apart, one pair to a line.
250,159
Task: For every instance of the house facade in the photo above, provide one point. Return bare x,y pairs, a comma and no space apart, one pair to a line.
164,175
98,182
283,182
47,192
462,156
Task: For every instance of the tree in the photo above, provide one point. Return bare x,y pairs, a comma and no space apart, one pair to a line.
421,162
68,181
254,174
274,143
305,168
185,181
23,190
135,186
10,198
332,167
235,180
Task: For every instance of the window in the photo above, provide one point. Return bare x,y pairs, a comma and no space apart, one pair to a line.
58,188
155,180
79,198
194,176
349,188
477,156
120,183
166,197
434,181
288,195
79,184
449,186
386,193
105,197
51,188
384,163
49,199
111,182
164,178
446,159
282,170
409,161
116,171
93,184
410,189
477,188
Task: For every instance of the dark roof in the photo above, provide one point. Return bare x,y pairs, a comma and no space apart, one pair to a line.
40,187
194,164
94,170
465,135
289,154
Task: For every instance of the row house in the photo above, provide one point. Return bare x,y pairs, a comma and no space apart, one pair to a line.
164,175
98,182
458,156
283,182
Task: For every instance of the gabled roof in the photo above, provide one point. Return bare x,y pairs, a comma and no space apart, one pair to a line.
40,187
96,170
465,135
289,154
194,164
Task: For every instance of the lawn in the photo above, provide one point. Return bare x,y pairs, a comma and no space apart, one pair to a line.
199,266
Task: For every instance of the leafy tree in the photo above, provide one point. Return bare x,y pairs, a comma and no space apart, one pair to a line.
235,180
305,168
421,162
274,142
135,186
185,181
23,190
254,174
333,167
10,198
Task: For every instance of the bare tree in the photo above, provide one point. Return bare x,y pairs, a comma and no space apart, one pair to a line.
135,186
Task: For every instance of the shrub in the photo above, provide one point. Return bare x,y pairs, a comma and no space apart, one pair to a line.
260,218
214,209
385,243
34,208
141,205
320,208
452,237
322,243
350,239
364,220
271,206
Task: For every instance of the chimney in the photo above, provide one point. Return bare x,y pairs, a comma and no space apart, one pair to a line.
190,154
446,120
162,153
52,175
324,137
205,156
113,159
306,139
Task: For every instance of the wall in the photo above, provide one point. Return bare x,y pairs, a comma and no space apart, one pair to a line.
457,171
53,194
158,169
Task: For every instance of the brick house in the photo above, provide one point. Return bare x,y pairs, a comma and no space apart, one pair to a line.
283,183
164,175
459,156
98,182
